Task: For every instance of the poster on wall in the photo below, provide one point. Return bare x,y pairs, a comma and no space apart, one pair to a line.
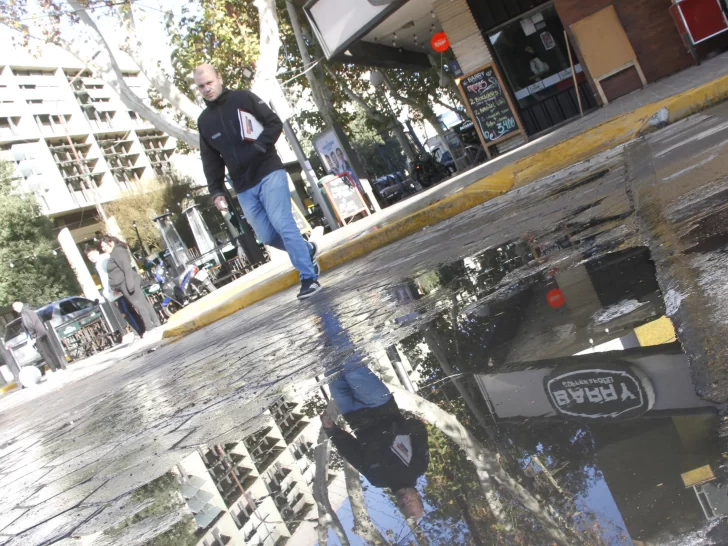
334,157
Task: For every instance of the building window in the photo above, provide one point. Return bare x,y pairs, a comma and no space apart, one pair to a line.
27,86
34,101
8,126
532,53
51,122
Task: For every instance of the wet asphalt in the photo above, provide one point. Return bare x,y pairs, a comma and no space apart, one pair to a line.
537,320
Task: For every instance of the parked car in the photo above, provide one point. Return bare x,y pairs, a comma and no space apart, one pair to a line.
74,312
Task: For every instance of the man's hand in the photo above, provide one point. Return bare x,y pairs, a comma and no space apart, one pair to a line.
326,420
221,203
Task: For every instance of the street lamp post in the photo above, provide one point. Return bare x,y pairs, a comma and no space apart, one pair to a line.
139,238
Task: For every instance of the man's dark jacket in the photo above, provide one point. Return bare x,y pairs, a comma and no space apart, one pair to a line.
370,451
121,274
222,144
31,322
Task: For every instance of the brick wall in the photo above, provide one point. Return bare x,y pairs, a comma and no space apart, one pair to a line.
648,25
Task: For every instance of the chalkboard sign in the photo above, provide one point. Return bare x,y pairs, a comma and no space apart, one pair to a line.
344,197
489,105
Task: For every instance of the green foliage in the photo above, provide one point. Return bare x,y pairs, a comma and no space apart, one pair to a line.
26,241
150,200
164,494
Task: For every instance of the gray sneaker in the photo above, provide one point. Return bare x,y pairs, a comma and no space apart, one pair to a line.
313,250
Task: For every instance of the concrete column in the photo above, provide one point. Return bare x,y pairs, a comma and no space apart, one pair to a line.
78,265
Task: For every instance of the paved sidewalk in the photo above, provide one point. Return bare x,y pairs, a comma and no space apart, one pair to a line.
620,121
82,369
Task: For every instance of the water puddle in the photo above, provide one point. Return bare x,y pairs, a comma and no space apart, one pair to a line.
538,397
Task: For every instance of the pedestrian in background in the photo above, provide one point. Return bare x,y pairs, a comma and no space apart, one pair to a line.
101,263
127,281
36,331
255,168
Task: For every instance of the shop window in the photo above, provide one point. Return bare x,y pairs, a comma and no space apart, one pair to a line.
533,55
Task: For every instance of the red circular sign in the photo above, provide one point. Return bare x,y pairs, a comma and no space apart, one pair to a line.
555,298
439,42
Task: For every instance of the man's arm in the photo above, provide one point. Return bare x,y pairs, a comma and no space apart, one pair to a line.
348,447
272,125
214,168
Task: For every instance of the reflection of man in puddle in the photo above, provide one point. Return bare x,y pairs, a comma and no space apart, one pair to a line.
389,449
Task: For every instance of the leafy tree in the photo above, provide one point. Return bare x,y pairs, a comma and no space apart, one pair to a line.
156,197
29,270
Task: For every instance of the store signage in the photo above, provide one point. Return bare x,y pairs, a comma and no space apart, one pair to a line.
440,42
489,105
702,19
609,393
555,298
339,24
345,199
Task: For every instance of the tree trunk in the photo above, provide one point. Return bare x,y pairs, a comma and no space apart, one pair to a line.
434,345
327,516
485,461
320,92
437,125
363,525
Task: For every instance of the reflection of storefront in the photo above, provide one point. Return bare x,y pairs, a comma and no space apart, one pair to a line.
532,54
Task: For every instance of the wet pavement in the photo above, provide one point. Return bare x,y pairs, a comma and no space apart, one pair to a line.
506,377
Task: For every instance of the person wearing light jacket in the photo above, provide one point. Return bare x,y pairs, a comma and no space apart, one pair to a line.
101,263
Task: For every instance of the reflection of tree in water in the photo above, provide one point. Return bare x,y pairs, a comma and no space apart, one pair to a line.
555,465
164,505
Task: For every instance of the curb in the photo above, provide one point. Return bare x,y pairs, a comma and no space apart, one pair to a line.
611,133
9,387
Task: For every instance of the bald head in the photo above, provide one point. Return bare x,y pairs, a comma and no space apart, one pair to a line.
208,81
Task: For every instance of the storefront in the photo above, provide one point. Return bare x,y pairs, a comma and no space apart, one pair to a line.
531,51
614,46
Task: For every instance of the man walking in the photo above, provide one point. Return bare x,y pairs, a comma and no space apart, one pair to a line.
35,330
255,168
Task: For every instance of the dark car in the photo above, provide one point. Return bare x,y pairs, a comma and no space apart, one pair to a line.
71,313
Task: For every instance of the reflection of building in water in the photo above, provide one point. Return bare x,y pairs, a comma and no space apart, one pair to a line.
258,490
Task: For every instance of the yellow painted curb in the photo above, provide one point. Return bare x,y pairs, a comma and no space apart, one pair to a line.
8,388
619,130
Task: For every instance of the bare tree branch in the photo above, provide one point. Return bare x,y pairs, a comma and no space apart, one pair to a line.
107,67
134,47
320,92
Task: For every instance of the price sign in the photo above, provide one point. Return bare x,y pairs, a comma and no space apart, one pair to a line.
489,105
344,197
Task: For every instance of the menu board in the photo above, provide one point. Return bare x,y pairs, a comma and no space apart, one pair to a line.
344,197
489,105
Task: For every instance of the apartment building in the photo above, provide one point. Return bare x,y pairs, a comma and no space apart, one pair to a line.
70,135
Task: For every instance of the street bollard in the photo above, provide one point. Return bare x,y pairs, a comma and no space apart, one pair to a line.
114,320
11,363
56,344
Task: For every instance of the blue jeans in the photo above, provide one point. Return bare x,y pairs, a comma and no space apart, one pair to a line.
267,206
358,389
